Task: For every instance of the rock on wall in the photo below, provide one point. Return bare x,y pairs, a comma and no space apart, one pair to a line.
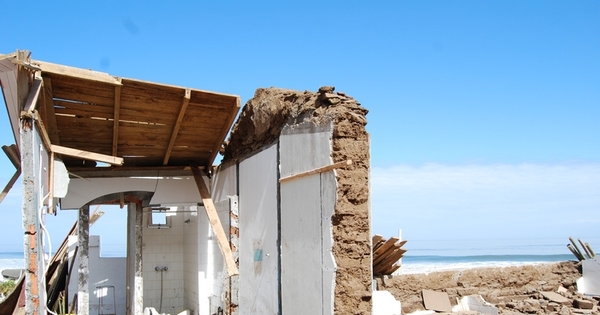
260,124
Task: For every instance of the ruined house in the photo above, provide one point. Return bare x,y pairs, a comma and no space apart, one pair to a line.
280,226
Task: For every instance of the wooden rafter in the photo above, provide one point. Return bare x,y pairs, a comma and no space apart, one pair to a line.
47,112
33,96
215,223
87,155
77,73
182,110
115,144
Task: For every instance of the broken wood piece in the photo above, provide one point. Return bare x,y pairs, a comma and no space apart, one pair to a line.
589,248
215,223
392,258
12,152
316,171
32,98
87,155
576,248
376,238
575,253
388,244
585,249
9,185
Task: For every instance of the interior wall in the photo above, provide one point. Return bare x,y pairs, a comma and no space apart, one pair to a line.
258,228
103,272
224,191
307,204
164,248
191,249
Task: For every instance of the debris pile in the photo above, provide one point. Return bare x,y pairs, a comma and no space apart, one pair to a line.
528,289
386,254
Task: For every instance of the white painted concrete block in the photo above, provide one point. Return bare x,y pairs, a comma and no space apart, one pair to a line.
384,303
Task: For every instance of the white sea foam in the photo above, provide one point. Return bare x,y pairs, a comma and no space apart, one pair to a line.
425,268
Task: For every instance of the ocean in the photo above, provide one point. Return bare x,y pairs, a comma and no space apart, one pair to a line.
425,256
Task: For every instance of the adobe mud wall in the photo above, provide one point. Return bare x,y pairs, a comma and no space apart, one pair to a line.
259,126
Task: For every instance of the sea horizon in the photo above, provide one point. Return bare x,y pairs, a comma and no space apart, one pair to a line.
426,256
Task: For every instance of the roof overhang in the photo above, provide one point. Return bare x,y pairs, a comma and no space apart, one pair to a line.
151,126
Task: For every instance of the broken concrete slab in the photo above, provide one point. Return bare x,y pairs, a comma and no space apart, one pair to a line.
475,303
555,297
583,304
436,301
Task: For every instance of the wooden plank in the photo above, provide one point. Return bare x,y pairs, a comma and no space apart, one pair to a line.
42,130
376,238
82,90
79,73
391,259
393,269
316,171
87,155
215,223
32,97
389,243
12,152
117,110
10,184
380,257
49,114
182,110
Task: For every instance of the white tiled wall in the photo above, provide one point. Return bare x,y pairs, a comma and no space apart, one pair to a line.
164,248
190,263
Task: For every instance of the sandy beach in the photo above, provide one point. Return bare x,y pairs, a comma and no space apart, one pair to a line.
513,290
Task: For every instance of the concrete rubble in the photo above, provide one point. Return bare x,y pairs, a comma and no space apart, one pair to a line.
529,289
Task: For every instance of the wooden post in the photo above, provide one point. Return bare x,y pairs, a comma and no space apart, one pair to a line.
215,223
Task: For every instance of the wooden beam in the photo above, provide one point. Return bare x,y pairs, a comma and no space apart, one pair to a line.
49,116
182,110
117,111
77,72
42,130
12,152
215,223
87,155
316,171
9,185
33,96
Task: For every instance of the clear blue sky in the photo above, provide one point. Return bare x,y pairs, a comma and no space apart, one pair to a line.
484,115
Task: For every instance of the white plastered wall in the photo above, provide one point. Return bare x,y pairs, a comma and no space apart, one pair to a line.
104,272
307,204
258,263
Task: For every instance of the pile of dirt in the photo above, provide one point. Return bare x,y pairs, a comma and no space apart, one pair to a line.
260,125
513,290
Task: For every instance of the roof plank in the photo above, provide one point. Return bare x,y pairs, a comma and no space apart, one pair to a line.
182,110
77,72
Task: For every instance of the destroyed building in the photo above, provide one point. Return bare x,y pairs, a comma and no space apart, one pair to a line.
280,226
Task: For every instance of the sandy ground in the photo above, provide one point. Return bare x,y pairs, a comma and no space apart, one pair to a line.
513,290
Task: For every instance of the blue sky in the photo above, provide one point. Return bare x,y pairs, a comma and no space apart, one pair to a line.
483,114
